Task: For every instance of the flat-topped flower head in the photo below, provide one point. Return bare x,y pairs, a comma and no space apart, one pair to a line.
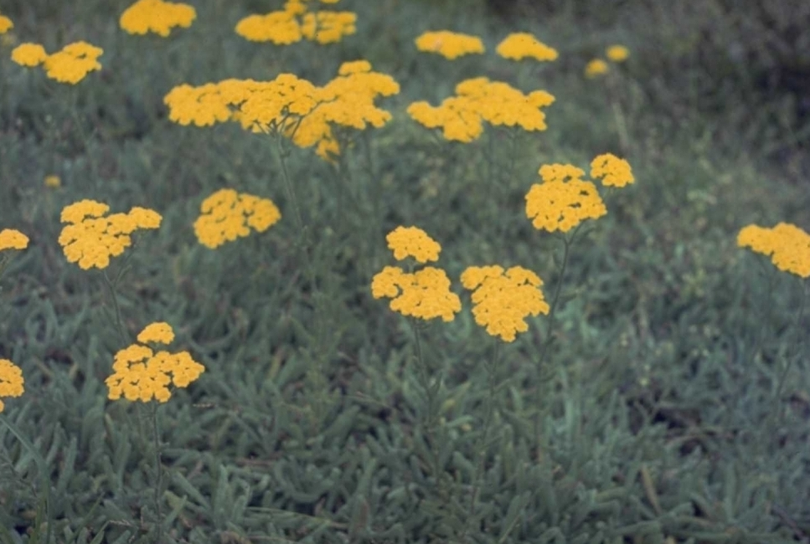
563,200
29,54
596,67
227,215
450,45
613,171
295,22
12,383
413,242
5,24
520,45
159,333
503,300
156,16
617,53
787,245
12,239
424,294
73,62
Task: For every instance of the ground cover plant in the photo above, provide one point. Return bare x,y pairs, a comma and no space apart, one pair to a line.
400,271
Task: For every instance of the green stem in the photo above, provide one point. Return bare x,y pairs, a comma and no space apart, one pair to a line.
790,355
74,110
118,323
158,473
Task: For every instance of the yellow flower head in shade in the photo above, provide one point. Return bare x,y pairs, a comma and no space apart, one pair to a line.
227,215
413,242
787,245
503,301
424,294
12,383
596,67
29,54
5,24
53,181
90,238
563,200
520,45
12,239
617,53
73,62
615,172
449,44
141,374
156,16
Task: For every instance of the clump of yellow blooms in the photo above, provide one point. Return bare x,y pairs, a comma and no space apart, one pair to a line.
449,44
614,53
563,200
156,16
227,215
12,239
596,67
12,383
424,294
91,239
520,45
615,172
787,245
617,53
503,300
5,24
70,65
295,22
480,99
141,374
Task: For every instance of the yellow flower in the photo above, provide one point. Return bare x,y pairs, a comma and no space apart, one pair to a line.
141,374
615,172
53,181
5,24
294,23
617,53
226,215
29,54
503,301
12,239
90,239
413,242
449,44
786,244
156,16
12,383
596,67
73,62
520,45
424,294
563,200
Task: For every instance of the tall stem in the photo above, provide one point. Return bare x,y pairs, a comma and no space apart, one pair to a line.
158,473
790,354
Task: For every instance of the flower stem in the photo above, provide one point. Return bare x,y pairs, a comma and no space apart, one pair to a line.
791,355
158,473
118,323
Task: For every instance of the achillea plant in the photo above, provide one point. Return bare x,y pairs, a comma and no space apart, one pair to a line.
450,45
613,171
69,65
295,22
563,200
156,16
5,24
12,383
596,67
520,45
617,53
10,239
787,245
227,215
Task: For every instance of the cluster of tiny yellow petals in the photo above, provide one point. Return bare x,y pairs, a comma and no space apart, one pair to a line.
449,44
69,65
520,45
478,100
156,16
424,294
617,53
227,215
5,24
12,383
563,200
503,301
413,242
141,374
12,239
295,22
596,67
29,54
787,245
90,238
613,171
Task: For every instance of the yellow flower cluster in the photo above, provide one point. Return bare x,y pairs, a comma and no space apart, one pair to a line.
520,45
449,44
295,22
12,239
12,383
787,245
141,374
226,215
502,301
596,67
70,65
156,16
617,53
563,200
425,293
480,99
614,53
615,172
91,239
5,24
53,181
